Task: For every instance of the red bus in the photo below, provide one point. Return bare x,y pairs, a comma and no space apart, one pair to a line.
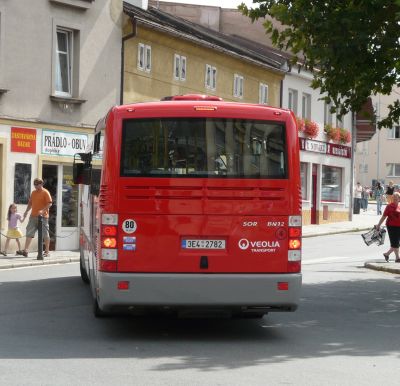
195,208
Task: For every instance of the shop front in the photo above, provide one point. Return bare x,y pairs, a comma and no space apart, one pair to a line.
30,152
325,181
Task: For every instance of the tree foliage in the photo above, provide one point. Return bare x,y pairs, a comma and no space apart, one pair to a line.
352,46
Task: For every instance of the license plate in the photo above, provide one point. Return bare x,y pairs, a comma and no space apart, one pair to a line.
203,244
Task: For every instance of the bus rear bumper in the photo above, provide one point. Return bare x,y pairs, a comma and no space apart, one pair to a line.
266,292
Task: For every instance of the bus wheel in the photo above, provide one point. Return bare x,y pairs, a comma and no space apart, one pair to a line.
98,313
84,275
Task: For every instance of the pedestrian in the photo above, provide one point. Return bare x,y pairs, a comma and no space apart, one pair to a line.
40,201
378,197
13,231
357,198
392,213
389,192
365,197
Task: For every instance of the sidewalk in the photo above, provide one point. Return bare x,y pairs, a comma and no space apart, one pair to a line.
361,222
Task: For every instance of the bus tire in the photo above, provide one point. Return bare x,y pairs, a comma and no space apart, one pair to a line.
98,313
84,275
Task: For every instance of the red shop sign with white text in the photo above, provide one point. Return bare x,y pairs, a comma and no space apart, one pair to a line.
23,140
325,148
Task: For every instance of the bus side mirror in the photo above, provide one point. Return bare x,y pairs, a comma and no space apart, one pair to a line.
95,182
81,168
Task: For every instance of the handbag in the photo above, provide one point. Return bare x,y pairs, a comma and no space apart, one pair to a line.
374,236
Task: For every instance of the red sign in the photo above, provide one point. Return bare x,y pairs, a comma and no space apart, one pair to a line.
23,140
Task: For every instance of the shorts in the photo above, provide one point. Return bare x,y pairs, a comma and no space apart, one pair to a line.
32,227
14,233
394,235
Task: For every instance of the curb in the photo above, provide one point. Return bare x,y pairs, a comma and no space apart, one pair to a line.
327,233
33,263
380,267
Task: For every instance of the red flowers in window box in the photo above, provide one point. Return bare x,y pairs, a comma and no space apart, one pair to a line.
300,124
345,136
337,134
311,128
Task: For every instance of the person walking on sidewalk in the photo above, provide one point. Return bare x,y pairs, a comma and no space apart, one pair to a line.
392,213
389,192
13,231
378,197
40,202
365,197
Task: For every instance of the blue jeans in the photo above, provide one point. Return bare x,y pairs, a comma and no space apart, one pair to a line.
379,205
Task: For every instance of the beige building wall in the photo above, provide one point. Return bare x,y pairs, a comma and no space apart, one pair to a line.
159,82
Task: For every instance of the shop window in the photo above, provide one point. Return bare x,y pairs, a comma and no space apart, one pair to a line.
304,180
69,199
331,186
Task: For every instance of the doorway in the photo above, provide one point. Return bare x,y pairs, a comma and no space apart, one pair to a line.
63,214
314,184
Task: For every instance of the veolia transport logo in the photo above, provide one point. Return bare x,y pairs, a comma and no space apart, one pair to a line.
243,244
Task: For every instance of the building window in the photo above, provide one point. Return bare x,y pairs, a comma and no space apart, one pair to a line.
394,132
292,100
64,60
304,180
306,106
393,170
331,185
339,121
144,57
327,114
238,86
211,77
263,94
363,168
179,67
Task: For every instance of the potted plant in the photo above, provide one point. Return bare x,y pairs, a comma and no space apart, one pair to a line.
300,124
311,128
333,133
345,136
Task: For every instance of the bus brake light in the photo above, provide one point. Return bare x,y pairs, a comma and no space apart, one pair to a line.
109,230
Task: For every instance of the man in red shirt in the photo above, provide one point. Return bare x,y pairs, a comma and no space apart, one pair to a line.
40,202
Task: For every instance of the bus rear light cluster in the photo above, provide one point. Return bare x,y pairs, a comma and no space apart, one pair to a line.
109,244
294,244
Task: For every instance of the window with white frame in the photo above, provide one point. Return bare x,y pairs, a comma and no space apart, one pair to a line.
179,67
63,63
238,81
327,114
292,100
393,170
263,94
339,121
211,77
304,180
306,106
144,57
394,132
363,168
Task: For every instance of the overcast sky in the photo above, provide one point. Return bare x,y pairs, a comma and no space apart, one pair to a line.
219,3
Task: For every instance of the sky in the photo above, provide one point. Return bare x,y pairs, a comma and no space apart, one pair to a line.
216,3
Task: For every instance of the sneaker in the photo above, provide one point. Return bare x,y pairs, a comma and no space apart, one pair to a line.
24,253
386,257
19,253
3,253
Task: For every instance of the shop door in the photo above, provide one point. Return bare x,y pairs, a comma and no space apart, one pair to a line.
63,216
314,181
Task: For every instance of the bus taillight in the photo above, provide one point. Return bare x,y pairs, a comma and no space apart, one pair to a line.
294,244
109,244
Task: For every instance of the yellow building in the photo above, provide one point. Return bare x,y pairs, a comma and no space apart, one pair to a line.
165,55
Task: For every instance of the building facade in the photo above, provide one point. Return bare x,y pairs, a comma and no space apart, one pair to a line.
60,64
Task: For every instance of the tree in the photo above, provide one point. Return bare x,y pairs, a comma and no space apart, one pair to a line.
351,46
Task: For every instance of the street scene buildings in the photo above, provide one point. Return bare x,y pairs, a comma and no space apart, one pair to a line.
84,56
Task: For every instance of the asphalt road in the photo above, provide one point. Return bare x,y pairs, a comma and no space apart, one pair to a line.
346,332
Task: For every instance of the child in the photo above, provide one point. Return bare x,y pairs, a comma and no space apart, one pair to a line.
13,230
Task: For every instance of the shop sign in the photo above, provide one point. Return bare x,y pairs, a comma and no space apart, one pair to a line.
63,143
23,140
325,148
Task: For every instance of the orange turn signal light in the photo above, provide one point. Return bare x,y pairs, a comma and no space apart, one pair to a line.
109,242
294,244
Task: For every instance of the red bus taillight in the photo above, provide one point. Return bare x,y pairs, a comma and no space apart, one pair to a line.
294,244
109,244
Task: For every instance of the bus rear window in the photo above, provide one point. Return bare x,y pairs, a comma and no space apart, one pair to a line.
203,147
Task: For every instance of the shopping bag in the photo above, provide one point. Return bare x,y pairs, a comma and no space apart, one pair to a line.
374,236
